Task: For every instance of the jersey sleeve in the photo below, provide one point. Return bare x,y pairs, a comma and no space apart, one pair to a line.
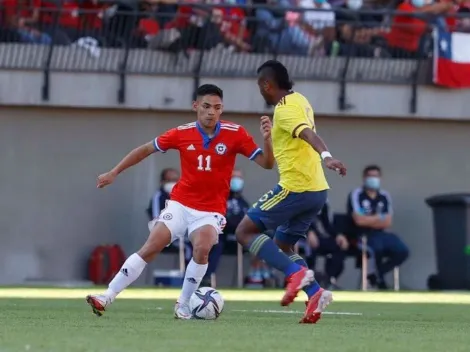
291,118
166,141
387,209
354,204
247,145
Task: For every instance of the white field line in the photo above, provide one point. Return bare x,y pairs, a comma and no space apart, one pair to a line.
271,311
245,295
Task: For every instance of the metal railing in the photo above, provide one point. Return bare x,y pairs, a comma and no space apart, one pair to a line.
207,41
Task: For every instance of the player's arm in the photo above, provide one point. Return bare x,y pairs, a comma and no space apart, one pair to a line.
266,158
315,141
134,157
292,119
248,147
162,144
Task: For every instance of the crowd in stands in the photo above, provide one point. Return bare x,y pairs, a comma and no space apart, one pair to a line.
365,28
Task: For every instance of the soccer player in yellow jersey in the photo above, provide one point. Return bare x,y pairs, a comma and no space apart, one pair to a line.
292,206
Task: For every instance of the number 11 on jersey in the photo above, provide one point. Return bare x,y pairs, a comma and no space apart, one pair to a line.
201,166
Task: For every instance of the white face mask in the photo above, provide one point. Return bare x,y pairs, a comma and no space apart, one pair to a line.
418,3
168,186
354,4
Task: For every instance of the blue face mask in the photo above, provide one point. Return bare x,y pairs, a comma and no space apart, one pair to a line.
372,182
236,184
418,3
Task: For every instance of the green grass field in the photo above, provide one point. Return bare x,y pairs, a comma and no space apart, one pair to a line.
59,320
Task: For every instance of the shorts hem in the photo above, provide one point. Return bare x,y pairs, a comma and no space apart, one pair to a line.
261,226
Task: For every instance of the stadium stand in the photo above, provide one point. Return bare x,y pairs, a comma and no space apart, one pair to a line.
374,41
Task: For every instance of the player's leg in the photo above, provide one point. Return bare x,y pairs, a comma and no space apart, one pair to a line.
273,209
166,229
288,234
203,234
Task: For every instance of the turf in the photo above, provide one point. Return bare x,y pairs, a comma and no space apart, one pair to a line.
37,320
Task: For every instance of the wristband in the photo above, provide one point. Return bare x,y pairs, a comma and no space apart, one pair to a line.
325,154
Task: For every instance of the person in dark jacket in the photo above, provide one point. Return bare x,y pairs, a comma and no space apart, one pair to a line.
168,179
323,239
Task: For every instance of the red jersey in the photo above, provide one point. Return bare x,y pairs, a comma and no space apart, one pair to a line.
206,163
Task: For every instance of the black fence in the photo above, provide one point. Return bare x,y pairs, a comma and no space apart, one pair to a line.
197,40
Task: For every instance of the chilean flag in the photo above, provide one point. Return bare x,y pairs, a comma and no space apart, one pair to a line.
451,59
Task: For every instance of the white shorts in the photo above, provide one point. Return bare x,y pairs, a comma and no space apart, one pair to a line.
179,219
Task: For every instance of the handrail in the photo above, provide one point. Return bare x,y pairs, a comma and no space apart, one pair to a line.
347,66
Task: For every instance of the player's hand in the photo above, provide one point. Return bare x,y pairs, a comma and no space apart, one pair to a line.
342,242
335,165
105,179
265,127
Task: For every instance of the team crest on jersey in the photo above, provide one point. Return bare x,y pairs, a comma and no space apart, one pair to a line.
220,148
167,216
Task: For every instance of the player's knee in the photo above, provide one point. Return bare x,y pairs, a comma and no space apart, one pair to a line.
201,252
158,239
285,247
241,234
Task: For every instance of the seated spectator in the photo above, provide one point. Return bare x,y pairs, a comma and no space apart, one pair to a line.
323,239
197,28
22,18
410,35
232,26
168,179
370,209
358,32
318,26
463,23
296,33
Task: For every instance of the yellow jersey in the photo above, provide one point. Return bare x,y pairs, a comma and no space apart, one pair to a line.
300,166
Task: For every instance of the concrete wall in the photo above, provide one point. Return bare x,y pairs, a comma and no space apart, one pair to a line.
174,93
51,214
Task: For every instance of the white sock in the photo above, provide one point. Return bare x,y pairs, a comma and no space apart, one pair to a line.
192,278
130,271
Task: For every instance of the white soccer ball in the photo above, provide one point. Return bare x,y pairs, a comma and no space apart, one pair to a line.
206,303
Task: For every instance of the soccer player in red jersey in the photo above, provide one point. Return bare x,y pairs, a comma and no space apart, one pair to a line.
208,148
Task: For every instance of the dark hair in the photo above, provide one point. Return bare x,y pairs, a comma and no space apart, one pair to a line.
209,89
369,168
278,73
164,172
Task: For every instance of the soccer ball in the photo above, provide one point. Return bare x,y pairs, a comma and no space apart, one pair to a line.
206,304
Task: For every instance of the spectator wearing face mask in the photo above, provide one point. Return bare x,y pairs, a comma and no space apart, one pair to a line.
237,206
168,179
410,34
370,209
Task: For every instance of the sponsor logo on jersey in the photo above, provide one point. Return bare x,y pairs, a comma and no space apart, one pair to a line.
220,148
191,147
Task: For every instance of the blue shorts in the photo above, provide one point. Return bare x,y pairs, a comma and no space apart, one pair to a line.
289,213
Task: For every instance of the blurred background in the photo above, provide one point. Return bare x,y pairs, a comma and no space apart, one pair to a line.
84,82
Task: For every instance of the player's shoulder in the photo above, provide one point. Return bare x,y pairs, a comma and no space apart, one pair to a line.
231,126
293,102
295,99
186,126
